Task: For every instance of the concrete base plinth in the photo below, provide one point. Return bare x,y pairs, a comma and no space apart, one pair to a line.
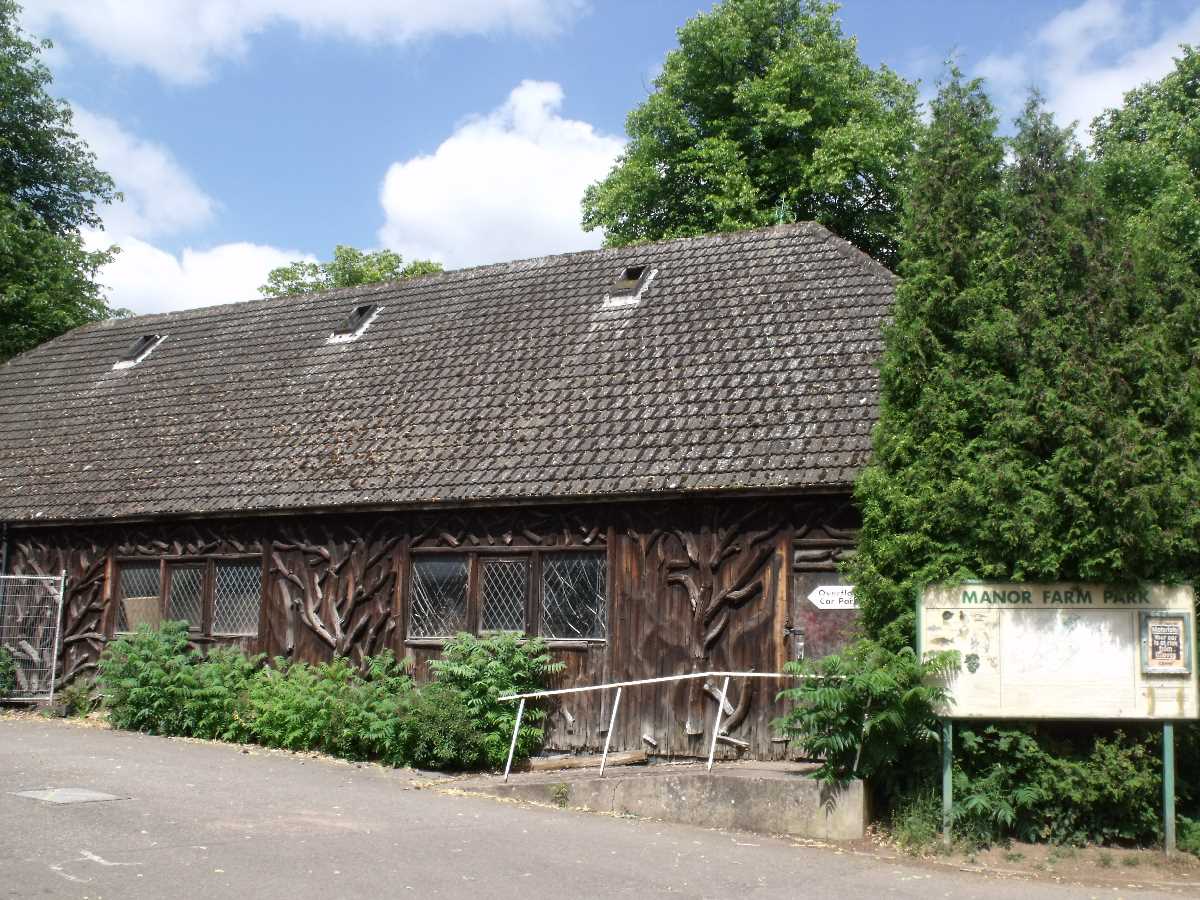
764,800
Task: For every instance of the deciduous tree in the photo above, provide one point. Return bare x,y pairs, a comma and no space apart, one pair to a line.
764,113
349,267
50,188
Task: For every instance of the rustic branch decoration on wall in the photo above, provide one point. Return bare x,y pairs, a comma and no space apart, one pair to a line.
340,587
721,569
82,636
555,527
691,586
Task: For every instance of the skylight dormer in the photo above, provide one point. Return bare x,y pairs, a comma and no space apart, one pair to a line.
356,323
139,350
627,290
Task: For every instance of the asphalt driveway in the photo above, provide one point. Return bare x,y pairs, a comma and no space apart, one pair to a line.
213,821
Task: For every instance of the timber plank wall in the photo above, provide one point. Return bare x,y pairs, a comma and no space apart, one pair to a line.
692,585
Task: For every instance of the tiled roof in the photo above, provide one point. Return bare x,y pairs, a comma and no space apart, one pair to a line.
748,364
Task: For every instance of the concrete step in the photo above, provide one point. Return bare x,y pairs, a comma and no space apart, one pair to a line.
764,798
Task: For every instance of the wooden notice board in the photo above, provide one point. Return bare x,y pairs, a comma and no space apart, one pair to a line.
1065,651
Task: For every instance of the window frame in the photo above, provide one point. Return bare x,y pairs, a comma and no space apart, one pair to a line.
117,594
207,563
534,556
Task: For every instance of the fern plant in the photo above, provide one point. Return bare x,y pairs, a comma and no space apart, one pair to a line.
1069,788
147,679
219,706
438,731
485,669
332,707
867,712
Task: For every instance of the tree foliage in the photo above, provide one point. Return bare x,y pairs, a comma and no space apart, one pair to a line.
47,281
1040,394
764,113
50,188
1148,160
349,267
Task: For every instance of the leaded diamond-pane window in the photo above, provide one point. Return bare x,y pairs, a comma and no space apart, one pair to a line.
439,596
574,592
139,602
186,601
237,591
505,588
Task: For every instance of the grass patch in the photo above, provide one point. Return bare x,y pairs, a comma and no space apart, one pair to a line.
916,823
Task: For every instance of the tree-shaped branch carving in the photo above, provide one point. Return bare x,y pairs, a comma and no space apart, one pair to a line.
721,570
342,596
82,627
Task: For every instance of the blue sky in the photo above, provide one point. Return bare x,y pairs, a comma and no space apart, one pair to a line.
245,133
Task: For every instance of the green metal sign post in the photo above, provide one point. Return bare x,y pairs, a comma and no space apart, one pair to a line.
1169,787
948,778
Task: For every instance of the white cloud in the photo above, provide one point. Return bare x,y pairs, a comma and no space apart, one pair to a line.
181,40
502,186
146,279
160,197
1087,57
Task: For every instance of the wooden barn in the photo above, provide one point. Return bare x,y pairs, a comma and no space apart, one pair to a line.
643,455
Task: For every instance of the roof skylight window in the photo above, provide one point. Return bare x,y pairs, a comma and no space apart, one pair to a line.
139,350
356,323
627,290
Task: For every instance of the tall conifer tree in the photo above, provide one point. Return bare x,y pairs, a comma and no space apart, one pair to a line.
1038,416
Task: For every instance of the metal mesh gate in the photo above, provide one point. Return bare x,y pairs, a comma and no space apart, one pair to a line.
30,614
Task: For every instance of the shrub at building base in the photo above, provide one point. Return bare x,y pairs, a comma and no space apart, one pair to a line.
483,670
331,707
148,680
8,673
218,706
868,713
1062,785
439,731
153,681
78,698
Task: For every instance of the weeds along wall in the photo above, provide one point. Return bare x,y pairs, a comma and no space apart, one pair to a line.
619,591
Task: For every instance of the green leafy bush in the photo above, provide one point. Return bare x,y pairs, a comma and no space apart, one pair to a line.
1188,837
1070,788
484,669
8,673
331,707
867,712
147,679
218,707
154,681
439,731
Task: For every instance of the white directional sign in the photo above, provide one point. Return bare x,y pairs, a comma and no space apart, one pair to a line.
833,596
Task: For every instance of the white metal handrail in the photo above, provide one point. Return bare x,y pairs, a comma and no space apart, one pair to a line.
617,702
